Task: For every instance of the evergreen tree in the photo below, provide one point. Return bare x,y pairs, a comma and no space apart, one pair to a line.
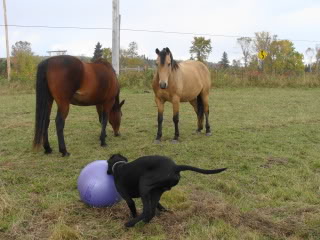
98,52
224,60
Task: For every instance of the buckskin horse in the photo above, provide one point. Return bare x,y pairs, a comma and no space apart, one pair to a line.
67,80
187,81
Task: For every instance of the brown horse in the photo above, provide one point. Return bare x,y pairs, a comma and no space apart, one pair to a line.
187,81
67,80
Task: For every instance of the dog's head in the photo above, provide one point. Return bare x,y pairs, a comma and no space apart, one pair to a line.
113,160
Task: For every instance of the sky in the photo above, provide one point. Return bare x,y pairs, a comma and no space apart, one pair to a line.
294,20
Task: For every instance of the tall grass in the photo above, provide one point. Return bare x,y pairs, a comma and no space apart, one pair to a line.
220,79
229,78
242,78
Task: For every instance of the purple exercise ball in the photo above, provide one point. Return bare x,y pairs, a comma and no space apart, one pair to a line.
96,187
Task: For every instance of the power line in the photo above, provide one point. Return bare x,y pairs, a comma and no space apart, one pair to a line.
148,31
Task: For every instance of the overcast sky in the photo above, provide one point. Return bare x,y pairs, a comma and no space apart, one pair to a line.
289,19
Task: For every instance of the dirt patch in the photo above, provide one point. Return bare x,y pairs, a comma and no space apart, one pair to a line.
208,207
271,161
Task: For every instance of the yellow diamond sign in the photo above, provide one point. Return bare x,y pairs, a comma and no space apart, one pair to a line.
262,54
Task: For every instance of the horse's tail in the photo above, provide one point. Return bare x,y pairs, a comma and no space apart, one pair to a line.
180,168
43,97
200,106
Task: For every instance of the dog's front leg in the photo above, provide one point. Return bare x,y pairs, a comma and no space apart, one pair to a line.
146,215
132,207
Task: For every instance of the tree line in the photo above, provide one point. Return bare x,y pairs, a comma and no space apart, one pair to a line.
281,57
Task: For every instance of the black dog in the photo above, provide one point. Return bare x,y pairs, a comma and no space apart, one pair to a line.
147,177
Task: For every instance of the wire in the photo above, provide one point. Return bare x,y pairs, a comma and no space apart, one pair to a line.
145,30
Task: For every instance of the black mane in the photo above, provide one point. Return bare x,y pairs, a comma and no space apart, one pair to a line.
163,53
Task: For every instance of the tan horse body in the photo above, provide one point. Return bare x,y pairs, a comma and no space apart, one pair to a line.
188,81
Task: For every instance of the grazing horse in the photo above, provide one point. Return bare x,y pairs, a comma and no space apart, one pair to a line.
67,80
187,81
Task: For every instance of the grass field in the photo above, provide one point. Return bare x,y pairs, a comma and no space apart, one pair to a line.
268,138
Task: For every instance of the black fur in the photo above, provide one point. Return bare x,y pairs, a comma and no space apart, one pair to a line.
175,120
162,54
43,98
147,178
160,120
200,107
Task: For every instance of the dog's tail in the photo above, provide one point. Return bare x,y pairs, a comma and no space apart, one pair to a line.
199,170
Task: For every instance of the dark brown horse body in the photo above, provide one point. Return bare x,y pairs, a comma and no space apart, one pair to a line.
67,80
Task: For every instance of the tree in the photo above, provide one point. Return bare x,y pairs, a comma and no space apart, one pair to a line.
245,44
236,63
132,51
263,41
24,63
201,48
317,57
107,54
224,62
283,58
21,47
130,57
97,52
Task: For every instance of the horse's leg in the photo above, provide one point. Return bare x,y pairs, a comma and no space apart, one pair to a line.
46,145
194,104
175,106
104,121
62,113
205,100
103,135
99,111
160,105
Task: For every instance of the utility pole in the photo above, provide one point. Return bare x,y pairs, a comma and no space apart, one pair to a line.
7,39
115,35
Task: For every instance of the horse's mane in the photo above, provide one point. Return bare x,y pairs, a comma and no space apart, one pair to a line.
163,53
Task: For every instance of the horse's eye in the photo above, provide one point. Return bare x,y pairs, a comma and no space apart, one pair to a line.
169,64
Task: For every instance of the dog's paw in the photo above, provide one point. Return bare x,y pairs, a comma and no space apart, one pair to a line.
129,224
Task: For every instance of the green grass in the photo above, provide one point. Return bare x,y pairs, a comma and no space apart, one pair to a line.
268,138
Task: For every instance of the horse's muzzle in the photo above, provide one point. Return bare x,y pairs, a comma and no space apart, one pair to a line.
163,85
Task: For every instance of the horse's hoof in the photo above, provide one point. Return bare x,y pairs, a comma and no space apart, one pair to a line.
103,145
117,134
48,151
208,134
157,141
66,154
198,132
174,141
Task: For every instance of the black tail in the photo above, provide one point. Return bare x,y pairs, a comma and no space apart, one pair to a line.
43,98
200,107
199,170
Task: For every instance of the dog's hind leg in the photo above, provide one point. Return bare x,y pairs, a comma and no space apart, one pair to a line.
155,198
161,208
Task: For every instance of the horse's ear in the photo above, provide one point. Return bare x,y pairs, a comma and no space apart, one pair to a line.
157,51
122,102
167,50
